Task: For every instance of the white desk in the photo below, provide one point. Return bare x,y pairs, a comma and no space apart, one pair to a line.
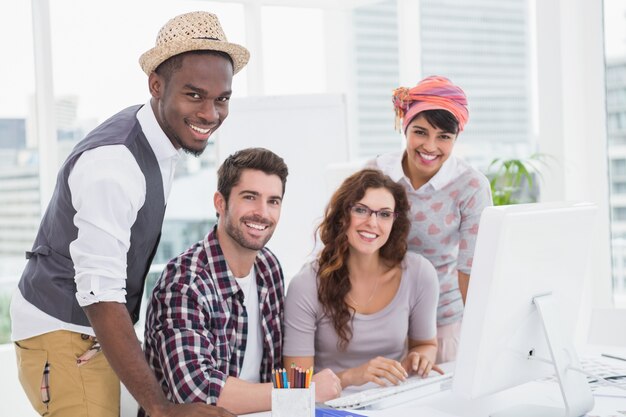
443,404
446,404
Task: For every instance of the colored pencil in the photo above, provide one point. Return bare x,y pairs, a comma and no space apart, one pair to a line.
285,380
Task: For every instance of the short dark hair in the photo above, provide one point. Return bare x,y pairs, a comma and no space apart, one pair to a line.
261,159
441,119
174,63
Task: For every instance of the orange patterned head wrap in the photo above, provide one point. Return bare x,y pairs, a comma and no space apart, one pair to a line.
431,93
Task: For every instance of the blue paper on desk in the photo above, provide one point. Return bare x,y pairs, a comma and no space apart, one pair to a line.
329,412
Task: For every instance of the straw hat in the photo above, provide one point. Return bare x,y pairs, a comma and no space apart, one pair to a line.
192,32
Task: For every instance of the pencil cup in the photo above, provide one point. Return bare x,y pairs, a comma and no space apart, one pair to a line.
293,402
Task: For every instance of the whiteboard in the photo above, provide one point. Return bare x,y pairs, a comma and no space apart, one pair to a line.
310,133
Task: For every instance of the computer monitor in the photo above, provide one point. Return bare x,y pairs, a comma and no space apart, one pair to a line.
523,300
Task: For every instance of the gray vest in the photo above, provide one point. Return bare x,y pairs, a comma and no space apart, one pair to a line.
48,279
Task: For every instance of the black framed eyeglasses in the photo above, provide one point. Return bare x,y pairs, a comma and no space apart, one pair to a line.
361,211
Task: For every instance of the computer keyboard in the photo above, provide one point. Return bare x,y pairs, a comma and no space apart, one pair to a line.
603,367
385,397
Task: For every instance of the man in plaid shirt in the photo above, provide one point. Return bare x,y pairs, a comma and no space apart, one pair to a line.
214,324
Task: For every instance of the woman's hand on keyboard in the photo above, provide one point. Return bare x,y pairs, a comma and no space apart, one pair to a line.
327,385
379,370
416,363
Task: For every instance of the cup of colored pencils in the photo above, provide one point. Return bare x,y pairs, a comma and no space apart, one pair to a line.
294,393
294,377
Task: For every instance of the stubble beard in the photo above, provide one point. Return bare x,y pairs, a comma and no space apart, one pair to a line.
238,236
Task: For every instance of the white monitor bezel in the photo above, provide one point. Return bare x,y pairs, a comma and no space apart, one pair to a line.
548,245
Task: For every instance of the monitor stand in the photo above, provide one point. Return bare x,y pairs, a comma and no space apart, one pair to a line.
575,390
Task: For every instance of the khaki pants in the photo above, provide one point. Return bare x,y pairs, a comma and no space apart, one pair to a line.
448,337
92,389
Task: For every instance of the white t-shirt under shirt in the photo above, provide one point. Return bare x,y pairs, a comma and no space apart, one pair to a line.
411,313
254,341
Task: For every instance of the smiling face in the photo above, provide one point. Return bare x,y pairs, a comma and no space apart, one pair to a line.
192,101
366,235
249,217
427,148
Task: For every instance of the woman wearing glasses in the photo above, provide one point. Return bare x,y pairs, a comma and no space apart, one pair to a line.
354,307
447,196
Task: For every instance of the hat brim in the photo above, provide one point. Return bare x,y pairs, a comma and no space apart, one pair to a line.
151,59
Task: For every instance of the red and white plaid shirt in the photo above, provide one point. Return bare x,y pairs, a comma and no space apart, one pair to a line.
196,326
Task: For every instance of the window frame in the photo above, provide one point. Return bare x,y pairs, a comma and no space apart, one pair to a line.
572,121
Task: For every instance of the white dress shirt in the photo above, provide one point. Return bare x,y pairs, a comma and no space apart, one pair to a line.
391,165
108,190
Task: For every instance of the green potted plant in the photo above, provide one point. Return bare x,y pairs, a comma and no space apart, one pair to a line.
513,181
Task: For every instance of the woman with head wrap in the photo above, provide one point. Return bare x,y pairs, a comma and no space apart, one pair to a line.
447,195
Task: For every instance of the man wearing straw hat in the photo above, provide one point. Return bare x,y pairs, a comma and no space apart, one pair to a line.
82,286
